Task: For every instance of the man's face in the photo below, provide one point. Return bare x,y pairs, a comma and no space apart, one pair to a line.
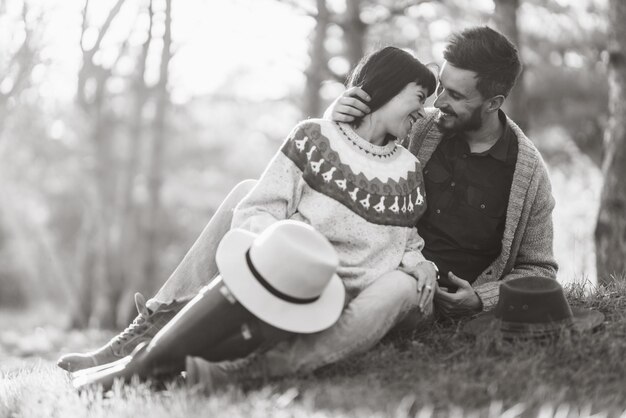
460,104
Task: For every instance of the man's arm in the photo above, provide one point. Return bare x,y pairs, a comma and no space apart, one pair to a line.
349,105
535,255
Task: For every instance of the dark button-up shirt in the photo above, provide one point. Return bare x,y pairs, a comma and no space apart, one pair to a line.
467,195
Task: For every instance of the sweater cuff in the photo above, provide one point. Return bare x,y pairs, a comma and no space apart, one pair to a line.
488,294
412,258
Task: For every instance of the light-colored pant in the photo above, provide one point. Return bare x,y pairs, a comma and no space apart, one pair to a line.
389,300
198,266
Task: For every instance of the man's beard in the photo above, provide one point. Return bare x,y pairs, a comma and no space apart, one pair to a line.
474,123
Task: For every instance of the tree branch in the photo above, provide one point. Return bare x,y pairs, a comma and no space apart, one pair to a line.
296,4
107,24
398,10
83,26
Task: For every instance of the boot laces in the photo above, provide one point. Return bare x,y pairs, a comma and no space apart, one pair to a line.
139,325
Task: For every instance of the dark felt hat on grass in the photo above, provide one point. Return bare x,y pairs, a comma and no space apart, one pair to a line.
533,307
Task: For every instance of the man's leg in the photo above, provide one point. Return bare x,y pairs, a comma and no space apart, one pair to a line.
195,270
363,323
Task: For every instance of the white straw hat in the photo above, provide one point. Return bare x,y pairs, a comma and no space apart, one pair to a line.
286,275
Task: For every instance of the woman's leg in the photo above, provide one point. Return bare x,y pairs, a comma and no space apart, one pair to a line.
364,322
195,270
198,266
212,325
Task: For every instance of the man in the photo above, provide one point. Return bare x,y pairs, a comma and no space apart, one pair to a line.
489,201
484,237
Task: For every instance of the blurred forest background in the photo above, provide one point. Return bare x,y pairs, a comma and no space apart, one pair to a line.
124,123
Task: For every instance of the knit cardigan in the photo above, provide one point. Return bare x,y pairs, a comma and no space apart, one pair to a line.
365,199
528,232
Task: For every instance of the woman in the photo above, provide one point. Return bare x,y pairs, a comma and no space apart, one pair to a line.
353,182
355,185
362,191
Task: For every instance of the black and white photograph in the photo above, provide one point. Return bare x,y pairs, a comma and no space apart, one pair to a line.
324,208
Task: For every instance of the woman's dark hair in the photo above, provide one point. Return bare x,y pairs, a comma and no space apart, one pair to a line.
490,55
385,72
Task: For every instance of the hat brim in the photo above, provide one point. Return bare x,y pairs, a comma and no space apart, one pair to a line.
301,318
583,320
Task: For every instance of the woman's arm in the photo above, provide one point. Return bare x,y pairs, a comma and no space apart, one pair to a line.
277,193
414,263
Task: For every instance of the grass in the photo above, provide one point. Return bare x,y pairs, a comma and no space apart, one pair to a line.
438,372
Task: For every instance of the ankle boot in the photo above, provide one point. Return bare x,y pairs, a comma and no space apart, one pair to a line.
142,329
199,329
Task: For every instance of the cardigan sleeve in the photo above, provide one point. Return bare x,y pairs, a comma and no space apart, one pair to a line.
277,193
535,256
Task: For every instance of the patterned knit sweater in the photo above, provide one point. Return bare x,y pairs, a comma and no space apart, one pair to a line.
364,198
527,239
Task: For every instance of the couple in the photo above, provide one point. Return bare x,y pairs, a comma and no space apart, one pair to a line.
467,177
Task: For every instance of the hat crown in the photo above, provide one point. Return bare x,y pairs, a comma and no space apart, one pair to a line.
532,300
294,258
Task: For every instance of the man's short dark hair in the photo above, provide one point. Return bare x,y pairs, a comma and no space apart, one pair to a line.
490,55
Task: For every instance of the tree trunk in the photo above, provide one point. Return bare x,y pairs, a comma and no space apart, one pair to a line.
110,284
315,74
354,32
155,167
18,67
86,266
610,231
101,285
129,259
505,17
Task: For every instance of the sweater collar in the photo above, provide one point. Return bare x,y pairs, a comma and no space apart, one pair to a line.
364,145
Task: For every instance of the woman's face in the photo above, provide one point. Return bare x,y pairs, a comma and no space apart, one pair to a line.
399,114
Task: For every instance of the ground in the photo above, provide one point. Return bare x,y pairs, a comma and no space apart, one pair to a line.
437,372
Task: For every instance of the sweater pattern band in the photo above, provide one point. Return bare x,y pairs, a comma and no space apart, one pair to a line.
395,202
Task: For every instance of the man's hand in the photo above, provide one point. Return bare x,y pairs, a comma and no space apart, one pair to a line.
348,106
426,277
464,302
